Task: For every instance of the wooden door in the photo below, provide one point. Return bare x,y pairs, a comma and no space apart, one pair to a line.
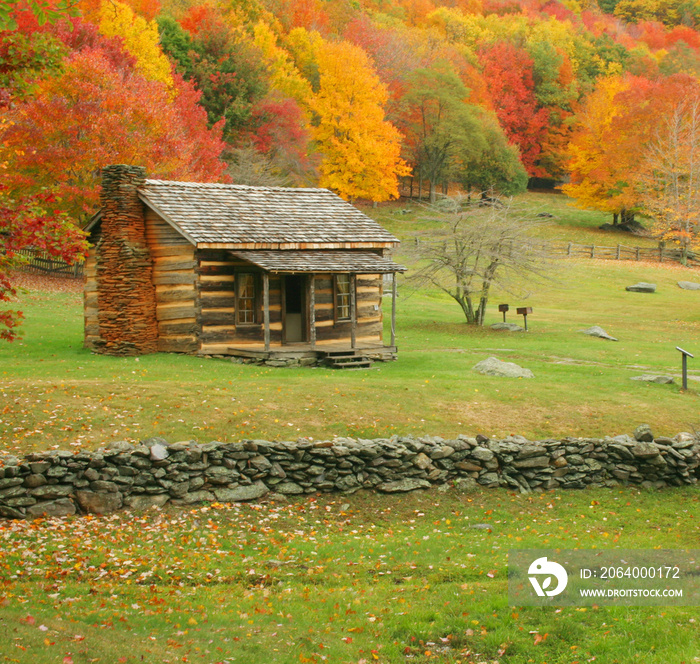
295,312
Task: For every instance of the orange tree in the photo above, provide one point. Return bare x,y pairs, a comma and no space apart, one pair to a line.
616,124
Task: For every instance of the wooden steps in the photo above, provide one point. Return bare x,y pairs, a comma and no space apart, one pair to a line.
346,359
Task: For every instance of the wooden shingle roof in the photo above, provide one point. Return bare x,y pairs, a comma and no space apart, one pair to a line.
267,217
359,262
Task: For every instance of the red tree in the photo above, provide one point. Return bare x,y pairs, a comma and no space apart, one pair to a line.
508,73
94,114
33,223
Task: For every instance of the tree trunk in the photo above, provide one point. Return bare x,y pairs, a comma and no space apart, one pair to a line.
465,302
432,196
615,218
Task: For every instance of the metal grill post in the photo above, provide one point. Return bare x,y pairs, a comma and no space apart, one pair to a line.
684,367
393,309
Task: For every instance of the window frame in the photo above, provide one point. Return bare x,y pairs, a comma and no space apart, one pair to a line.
254,299
337,295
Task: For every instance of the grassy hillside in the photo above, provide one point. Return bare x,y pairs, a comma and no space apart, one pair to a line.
56,393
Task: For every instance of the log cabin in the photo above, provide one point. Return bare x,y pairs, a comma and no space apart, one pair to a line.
273,274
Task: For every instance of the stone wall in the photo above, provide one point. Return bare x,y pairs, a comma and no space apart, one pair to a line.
155,473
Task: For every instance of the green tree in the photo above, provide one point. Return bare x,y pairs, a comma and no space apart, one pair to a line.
437,123
489,163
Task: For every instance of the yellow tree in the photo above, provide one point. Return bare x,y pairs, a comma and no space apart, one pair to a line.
595,164
283,73
360,147
140,39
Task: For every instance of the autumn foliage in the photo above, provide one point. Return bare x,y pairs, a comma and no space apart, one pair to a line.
94,113
357,97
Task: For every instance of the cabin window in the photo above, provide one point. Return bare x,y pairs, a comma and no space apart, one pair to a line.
342,297
246,299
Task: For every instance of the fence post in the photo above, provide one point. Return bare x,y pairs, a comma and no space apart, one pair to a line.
617,255
637,252
568,251
592,251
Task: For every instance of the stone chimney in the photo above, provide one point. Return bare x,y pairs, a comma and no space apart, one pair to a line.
124,271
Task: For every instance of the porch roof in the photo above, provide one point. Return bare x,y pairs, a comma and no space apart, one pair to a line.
358,262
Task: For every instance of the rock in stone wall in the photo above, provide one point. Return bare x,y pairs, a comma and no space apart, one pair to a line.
125,292
60,483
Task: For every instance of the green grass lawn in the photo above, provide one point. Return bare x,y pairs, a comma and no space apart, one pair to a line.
567,223
362,578
342,579
55,393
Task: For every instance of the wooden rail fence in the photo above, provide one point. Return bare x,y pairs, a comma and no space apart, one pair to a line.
37,262
618,252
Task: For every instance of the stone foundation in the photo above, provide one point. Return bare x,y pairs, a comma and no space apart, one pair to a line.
155,473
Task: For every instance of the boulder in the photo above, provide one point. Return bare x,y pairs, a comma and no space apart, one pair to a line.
140,503
288,488
532,462
98,503
119,446
51,491
642,287
408,484
158,452
482,454
507,327
597,331
688,285
645,450
198,497
492,366
422,461
11,512
651,378
241,493
34,480
61,507
643,434
466,484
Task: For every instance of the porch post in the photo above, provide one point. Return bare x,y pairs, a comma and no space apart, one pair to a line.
312,310
393,308
353,311
266,309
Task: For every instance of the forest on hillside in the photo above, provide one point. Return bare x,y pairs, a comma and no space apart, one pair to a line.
370,98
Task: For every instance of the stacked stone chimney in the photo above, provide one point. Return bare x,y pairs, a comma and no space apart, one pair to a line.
124,270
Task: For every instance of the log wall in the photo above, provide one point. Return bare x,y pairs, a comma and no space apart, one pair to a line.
91,322
369,311
175,281
217,292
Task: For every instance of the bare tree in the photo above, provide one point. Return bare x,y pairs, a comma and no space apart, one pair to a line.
671,180
471,249
248,166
